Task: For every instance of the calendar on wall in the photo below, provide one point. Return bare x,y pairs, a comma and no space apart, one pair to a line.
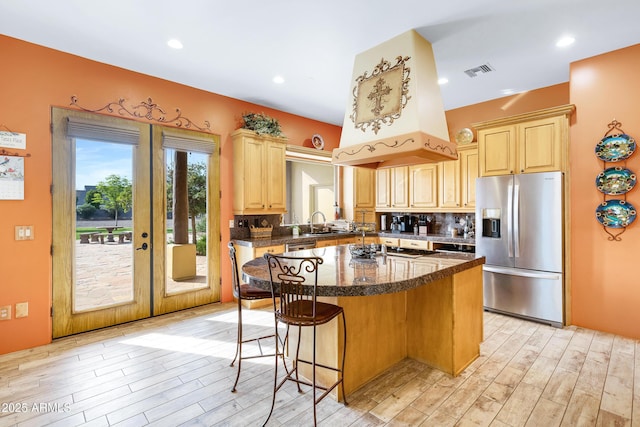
11,178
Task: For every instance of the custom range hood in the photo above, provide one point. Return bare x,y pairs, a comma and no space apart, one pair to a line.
395,116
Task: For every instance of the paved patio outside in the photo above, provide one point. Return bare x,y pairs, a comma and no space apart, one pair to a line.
104,275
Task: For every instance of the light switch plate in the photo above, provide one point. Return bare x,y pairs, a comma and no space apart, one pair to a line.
24,232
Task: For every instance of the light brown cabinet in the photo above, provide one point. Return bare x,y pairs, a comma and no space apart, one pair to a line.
359,188
458,179
424,245
406,188
423,186
392,188
259,172
527,143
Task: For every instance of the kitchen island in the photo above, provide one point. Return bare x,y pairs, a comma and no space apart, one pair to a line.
428,308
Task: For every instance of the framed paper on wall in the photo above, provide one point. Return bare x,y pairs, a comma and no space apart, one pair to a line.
11,178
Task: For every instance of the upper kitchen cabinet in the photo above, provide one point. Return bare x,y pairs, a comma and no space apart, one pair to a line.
526,143
423,186
259,173
458,179
392,188
359,193
468,174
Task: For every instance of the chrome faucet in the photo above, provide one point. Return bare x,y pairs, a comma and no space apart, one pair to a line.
324,219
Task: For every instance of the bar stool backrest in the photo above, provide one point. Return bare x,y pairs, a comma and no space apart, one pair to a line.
292,277
234,271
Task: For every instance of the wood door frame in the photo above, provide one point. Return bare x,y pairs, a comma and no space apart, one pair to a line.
148,299
163,302
64,320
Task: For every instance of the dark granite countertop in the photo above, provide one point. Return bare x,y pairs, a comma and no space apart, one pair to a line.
281,240
340,275
439,238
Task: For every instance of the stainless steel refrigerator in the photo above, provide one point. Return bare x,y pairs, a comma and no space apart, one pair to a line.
519,229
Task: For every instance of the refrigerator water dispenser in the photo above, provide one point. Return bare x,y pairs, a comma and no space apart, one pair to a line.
491,223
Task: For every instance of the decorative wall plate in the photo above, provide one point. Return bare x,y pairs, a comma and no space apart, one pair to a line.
464,136
614,148
615,181
615,213
317,141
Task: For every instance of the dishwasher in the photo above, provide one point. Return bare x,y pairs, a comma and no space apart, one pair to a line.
299,246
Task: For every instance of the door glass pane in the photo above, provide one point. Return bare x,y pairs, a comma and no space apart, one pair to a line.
186,176
103,250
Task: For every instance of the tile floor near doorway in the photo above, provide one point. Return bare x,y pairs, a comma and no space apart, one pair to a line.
174,370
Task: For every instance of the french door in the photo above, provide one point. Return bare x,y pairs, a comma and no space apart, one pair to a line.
113,231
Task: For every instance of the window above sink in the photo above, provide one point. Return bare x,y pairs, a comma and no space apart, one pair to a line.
311,184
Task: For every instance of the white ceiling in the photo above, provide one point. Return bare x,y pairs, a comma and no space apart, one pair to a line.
235,48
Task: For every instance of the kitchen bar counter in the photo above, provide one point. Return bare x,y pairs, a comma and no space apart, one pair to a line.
341,275
427,308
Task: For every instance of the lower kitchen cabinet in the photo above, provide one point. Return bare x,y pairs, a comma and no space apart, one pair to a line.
423,245
325,243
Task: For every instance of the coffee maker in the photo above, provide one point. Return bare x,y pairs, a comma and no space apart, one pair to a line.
396,226
406,224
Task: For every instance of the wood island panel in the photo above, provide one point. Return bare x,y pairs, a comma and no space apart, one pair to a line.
445,321
429,309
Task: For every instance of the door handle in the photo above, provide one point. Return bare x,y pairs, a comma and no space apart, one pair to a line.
509,220
143,247
516,220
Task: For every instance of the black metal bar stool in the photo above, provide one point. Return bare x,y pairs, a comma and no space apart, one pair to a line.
242,291
295,281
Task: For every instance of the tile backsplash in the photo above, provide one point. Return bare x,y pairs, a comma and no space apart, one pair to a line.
438,223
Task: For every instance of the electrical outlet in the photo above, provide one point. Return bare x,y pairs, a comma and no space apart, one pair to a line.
231,223
22,309
5,312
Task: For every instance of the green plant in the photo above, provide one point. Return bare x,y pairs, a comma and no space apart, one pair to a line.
201,246
86,211
201,225
261,124
114,194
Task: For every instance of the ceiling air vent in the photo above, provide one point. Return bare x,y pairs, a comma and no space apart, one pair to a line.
481,69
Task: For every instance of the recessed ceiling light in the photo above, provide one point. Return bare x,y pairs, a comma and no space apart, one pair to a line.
443,81
507,91
278,79
175,44
565,41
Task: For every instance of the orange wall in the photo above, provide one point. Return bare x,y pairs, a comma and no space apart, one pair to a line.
33,80
606,293
606,283
525,102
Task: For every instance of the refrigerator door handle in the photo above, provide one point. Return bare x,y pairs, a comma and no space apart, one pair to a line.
520,272
516,220
510,220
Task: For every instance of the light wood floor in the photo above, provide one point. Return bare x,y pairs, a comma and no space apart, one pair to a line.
174,370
